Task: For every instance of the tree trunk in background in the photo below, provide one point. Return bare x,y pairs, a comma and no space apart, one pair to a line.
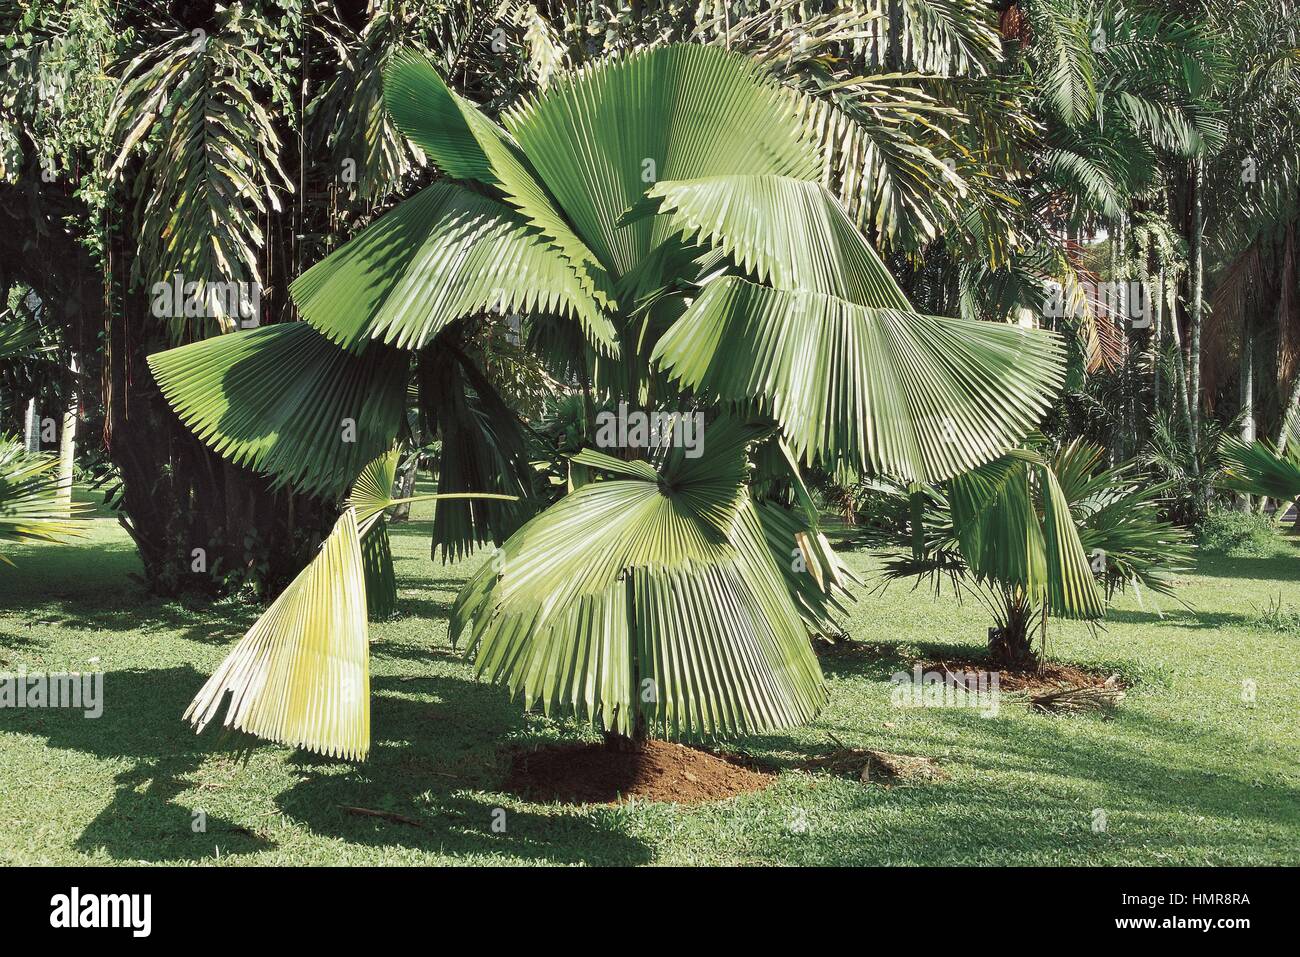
32,427
1156,298
1290,414
1180,371
200,523
68,444
1246,390
1196,290
405,488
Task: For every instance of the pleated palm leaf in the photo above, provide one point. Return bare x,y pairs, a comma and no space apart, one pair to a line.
648,602
1261,468
1004,533
301,674
1035,537
658,219
31,504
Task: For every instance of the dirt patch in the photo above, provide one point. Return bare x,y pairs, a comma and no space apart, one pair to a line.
1050,688
660,771
1050,677
878,767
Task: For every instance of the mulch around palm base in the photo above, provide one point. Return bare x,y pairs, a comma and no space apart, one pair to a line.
660,771
1050,677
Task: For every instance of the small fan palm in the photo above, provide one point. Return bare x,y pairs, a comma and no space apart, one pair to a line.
1262,469
658,218
1036,537
32,502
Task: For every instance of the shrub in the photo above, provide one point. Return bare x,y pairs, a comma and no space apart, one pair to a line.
1238,534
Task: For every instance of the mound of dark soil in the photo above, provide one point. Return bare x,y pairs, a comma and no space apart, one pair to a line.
1049,678
660,771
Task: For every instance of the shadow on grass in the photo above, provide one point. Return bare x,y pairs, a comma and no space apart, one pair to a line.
1282,568
1027,793
431,762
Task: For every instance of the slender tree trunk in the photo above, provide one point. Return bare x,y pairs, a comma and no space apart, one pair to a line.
1196,289
1290,414
32,427
68,445
1156,302
1246,390
405,488
1180,371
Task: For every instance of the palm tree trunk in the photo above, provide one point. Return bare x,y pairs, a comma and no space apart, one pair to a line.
1290,414
1180,371
1246,390
32,427
1156,300
1196,288
68,446
406,488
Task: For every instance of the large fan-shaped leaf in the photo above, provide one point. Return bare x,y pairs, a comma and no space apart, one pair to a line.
1014,526
444,254
445,127
656,598
436,118
1261,469
301,675
285,400
790,233
600,136
919,397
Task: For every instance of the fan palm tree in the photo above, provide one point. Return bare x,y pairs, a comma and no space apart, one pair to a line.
1035,536
1262,468
659,219
34,504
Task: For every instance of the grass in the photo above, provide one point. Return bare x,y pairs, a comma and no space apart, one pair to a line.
1187,772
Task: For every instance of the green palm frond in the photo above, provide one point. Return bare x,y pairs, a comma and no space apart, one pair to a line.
442,255
790,233
1010,523
19,336
210,169
1062,38
286,401
667,113
301,675
652,600
32,502
876,389
454,133
1261,469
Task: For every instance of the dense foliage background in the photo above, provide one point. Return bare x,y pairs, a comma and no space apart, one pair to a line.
998,154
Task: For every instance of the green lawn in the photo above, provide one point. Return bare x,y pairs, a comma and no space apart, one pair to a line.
1187,772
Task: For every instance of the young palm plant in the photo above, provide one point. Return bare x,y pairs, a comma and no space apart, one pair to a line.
1262,468
658,218
1035,537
